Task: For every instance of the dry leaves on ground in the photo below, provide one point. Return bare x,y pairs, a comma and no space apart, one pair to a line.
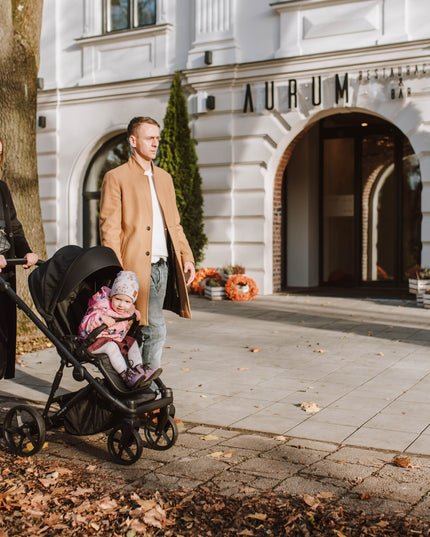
81,502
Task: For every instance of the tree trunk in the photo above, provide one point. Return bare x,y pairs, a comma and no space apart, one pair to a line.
20,28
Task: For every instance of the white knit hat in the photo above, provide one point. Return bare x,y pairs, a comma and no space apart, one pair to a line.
126,283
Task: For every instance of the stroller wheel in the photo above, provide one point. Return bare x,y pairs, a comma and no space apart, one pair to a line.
161,439
24,430
125,448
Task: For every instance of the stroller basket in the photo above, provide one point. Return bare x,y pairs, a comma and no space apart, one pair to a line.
61,288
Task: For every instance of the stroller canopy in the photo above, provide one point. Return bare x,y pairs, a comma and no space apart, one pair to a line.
61,276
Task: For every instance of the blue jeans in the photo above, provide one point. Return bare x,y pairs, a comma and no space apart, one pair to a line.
153,336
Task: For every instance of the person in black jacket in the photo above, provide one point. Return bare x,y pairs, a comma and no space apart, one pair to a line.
18,248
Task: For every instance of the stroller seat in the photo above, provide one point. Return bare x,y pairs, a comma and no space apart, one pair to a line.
115,382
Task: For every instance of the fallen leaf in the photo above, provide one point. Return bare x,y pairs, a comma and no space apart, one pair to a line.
222,454
281,438
215,454
209,437
365,496
242,369
380,354
311,501
185,369
403,462
247,490
257,516
340,533
320,351
47,482
292,518
179,423
256,349
310,407
326,495
108,505
155,517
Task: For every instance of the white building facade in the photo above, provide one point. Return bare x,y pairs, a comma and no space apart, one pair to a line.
311,117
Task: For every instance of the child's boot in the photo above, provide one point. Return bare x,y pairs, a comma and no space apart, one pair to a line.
132,378
150,374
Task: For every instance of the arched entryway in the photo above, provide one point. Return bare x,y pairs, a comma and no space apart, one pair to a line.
351,205
114,152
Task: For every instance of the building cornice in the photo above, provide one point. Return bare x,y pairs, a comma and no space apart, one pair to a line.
400,54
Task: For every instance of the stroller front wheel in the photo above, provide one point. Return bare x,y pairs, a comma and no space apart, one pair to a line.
161,436
24,430
125,448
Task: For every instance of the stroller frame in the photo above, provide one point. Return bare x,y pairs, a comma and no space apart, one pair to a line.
24,427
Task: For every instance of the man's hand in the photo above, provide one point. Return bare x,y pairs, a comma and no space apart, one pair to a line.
2,262
189,268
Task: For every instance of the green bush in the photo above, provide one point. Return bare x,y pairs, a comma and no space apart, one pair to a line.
177,155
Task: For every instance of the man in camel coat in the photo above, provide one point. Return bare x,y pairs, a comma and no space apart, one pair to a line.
139,220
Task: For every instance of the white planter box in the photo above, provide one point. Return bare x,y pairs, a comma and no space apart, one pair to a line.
215,293
418,286
225,276
426,300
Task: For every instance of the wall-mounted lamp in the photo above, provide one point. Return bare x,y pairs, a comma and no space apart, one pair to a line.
41,121
210,102
208,57
40,83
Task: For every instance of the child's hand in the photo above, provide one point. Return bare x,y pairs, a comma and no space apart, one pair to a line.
137,313
108,321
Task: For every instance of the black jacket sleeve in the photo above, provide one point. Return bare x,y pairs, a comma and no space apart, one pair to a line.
14,229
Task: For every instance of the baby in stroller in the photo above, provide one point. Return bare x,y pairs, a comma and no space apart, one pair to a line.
103,309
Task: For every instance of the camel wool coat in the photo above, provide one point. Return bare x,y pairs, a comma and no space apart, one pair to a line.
126,227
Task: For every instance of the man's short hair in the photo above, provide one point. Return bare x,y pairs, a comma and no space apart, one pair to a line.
136,121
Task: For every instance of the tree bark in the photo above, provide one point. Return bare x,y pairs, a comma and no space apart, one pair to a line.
20,27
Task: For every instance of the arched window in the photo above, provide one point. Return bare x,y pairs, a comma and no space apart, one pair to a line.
113,153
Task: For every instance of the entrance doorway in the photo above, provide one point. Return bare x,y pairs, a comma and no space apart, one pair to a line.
366,190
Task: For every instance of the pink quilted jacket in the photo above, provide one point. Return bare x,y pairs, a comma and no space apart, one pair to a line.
99,304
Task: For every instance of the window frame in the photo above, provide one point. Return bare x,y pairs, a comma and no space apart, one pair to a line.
132,17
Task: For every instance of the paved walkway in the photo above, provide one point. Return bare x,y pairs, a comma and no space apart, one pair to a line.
364,363
240,374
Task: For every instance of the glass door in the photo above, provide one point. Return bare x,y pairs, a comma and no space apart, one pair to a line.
338,201
370,202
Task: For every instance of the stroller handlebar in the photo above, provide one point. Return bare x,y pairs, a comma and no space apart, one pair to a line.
21,261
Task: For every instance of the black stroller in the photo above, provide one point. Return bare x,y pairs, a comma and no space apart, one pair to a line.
61,288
